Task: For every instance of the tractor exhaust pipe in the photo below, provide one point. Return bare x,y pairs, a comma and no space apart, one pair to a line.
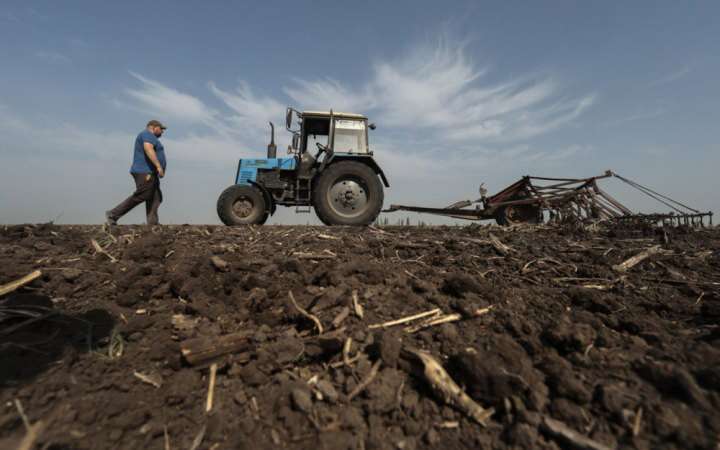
272,148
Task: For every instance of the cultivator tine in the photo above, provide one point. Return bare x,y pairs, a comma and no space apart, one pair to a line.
671,219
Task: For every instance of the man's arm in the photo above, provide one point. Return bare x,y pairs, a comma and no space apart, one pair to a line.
150,152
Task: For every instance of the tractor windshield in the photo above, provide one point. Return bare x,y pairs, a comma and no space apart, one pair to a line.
350,136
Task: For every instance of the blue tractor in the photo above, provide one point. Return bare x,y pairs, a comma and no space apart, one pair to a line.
341,180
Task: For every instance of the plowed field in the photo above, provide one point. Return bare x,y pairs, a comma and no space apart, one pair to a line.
543,325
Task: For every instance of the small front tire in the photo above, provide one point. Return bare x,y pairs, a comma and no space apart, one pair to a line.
242,205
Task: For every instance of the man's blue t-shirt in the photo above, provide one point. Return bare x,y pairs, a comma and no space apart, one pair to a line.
141,163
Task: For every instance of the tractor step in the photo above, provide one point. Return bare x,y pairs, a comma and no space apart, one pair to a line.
303,209
302,186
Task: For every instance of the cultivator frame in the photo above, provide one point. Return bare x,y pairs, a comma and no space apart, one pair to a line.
536,199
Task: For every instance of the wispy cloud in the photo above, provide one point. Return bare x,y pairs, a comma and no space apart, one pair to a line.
671,76
80,43
52,57
328,93
439,88
163,101
10,121
250,113
9,16
549,158
244,119
641,115
21,15
59,140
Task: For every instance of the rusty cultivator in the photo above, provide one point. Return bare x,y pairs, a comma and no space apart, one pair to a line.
537,199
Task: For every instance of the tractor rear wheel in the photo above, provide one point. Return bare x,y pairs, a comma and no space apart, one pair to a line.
242,205
348,193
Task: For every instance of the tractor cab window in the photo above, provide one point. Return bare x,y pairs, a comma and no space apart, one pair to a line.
350,136
314,131
312,139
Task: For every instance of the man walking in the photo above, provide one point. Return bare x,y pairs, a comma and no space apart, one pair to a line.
147,168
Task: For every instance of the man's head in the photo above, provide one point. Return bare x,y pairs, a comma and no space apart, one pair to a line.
155,127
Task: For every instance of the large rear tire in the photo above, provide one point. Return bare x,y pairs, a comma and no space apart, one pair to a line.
348,193
242,205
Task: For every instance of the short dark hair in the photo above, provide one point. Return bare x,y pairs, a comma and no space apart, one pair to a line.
156,123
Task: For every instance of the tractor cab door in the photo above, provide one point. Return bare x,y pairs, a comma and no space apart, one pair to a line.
315,130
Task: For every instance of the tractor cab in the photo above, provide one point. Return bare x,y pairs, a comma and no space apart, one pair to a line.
335,132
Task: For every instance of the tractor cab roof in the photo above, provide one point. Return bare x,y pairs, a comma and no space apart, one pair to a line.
336,114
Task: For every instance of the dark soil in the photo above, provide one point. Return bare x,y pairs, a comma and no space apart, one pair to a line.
629,360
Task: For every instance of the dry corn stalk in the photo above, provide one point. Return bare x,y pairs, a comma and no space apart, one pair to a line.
446,388
13,285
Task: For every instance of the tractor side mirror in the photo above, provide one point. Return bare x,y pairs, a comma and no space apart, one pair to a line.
290,112
288,118
295,141
371,126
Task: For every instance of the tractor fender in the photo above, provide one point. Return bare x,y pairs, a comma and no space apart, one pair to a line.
269,202
367,160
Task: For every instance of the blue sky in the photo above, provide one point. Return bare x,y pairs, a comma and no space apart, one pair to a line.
462,93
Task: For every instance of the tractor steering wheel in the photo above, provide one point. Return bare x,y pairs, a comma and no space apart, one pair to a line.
321,148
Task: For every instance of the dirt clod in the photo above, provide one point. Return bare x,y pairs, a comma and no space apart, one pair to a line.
301,399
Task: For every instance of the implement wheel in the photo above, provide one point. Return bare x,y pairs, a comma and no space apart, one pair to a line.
242,205
515,214
348,193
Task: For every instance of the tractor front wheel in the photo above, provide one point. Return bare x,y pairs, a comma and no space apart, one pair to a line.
242,205
348,193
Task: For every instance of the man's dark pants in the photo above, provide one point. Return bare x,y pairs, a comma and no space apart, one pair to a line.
147,189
